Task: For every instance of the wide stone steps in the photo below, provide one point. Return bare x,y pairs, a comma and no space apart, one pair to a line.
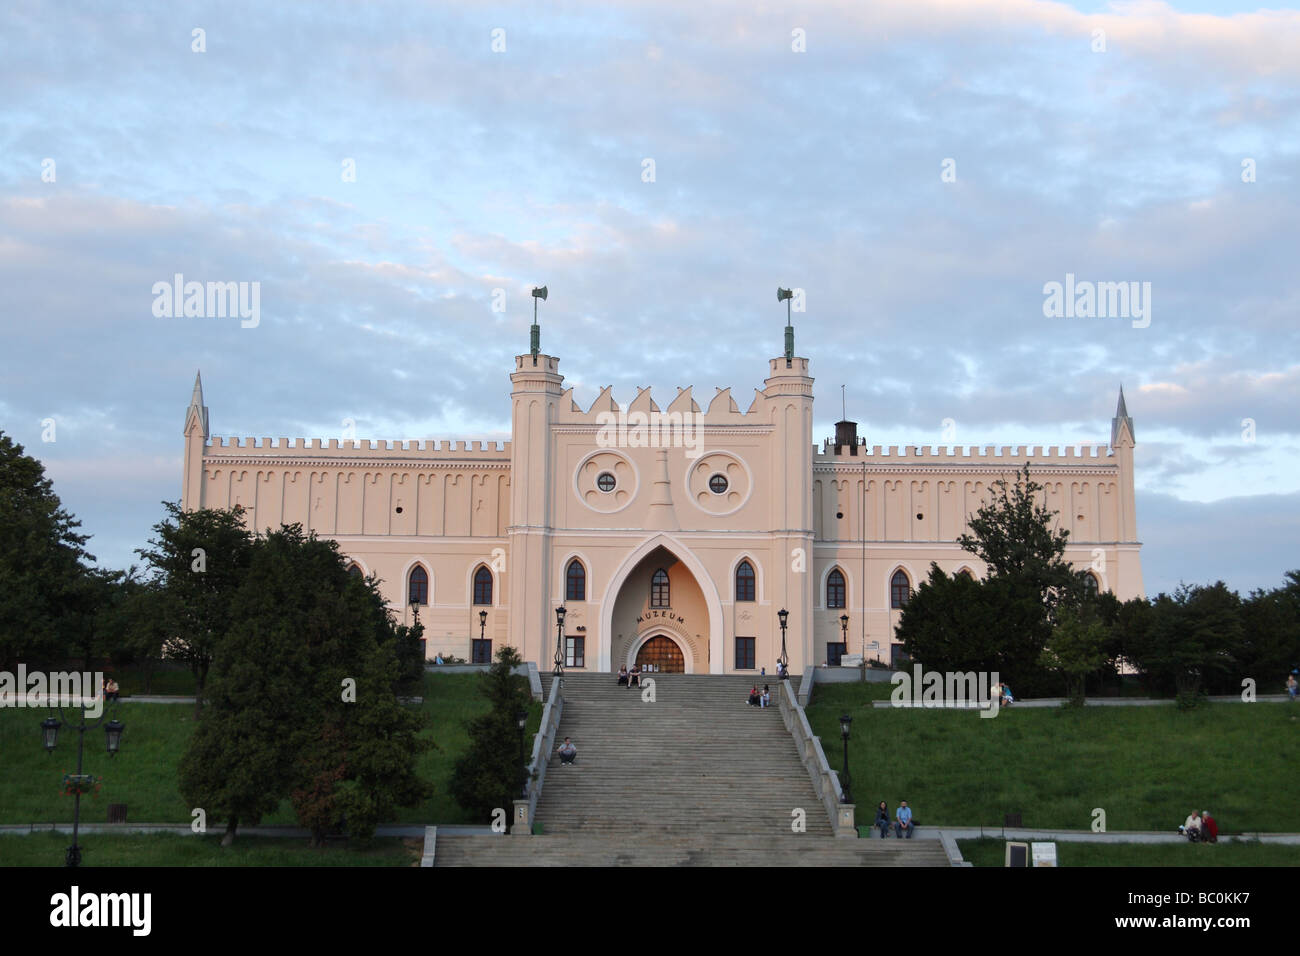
697,761
585,849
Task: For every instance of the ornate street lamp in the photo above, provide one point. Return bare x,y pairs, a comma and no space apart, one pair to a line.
783,615
50,727
521,718
559,641
844,631
845,723
482,625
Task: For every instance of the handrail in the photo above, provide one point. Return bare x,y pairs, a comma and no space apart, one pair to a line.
824,780
543,744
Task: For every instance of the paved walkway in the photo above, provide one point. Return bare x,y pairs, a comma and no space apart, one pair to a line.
1090,702
183,829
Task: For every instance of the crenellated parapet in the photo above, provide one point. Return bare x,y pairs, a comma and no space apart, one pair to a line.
1000,455
424,449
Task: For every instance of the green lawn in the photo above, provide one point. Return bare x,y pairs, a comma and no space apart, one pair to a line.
991,852
143,774
170,849
1145,766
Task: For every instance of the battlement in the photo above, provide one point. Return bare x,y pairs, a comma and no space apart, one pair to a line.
722,409
1005,455
410,448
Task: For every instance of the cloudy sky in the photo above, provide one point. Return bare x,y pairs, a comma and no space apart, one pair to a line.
922,169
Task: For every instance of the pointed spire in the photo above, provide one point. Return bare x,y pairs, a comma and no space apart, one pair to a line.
1121,420
197,408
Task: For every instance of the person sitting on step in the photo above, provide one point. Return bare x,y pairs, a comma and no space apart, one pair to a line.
622,674
882,819
766,700
903,821
634,678
568,753
754,698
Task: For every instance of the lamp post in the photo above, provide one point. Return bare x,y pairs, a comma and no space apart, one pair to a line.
112,741
559,641
783,615
845,723
482,634
521,718
844,632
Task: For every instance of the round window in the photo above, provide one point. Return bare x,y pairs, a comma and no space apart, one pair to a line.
605,481
718,484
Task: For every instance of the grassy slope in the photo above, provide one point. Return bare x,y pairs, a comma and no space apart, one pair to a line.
166,849
143,775
1145,766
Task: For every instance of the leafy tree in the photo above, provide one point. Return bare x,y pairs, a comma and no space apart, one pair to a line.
202,558
955,623
1270,645
42,564
489,776
301,703
1077,647
1014,535
1003,622
1187,639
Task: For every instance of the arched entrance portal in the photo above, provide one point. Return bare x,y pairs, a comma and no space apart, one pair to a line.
661,655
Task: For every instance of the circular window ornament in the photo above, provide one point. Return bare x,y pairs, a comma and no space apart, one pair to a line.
606,482
718,484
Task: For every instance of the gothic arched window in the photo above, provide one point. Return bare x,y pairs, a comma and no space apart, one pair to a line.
835,589
417,586
900,588
483,586
659,589
745,582
575,582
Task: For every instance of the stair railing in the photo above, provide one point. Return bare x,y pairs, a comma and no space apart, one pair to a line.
824,780
543,744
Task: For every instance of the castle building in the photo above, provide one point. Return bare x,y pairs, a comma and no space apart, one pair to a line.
674,537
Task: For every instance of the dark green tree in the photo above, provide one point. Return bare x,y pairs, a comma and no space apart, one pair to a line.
301,701
488,777
1187,640
1016,536
1077,647
201,558
1270,645
1003,622
42,565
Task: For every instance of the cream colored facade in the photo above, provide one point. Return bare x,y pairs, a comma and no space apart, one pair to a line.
520,513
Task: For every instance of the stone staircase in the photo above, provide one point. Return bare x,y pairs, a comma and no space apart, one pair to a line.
701,850
696,777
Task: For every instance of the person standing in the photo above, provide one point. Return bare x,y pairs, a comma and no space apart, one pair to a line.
1291,685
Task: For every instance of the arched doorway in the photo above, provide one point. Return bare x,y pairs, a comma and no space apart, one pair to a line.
661,655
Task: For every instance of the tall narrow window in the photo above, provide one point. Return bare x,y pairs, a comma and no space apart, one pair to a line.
418,586
900,588
744,582
835,589
659,589
355,570
1090,585
575,582
745,654
483,586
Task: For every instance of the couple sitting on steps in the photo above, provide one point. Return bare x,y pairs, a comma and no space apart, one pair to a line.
632,678
760,700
